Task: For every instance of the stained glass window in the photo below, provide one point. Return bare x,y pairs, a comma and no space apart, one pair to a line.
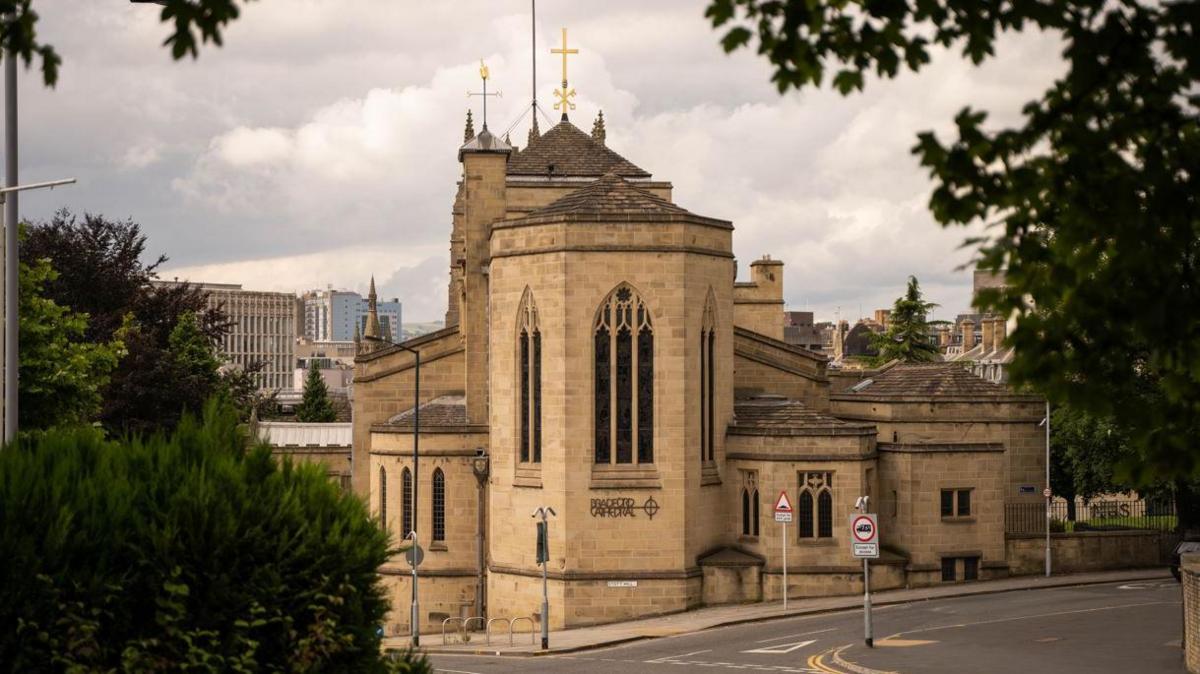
624,379
439,505
529,370
406,491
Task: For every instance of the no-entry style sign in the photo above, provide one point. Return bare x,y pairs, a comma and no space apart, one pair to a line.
864,535
783,508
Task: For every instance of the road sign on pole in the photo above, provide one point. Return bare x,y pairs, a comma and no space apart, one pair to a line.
864,542
783,515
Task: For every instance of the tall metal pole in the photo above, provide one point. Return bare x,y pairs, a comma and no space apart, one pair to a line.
416,604
11,259
533,51
785,542
545,590
869,637
1048,493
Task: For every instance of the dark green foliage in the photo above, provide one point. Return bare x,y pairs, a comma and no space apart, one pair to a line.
907,336
1084,454
187,553
315,406
61,373
105,277
1093,200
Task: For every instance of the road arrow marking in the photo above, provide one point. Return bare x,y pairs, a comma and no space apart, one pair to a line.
782,649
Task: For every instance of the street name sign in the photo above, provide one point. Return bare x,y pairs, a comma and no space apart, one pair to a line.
783,508
864,535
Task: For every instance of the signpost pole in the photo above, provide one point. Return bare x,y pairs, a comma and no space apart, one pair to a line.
783,515
867,603
785,585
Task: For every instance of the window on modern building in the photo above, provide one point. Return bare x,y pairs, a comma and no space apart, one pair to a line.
439,505
949,565
624,380
956,503
707,388
383,497
816,489
406,490
529,338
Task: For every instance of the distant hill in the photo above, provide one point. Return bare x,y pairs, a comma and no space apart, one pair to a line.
417,329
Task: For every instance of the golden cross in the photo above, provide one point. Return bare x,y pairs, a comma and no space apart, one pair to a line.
564,95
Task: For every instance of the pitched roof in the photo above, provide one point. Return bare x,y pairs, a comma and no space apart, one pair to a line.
924,380
772,412
610,195
447,410
570,152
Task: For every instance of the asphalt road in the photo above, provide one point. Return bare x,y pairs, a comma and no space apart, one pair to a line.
1133,627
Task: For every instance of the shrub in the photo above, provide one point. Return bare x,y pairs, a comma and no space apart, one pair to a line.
183,553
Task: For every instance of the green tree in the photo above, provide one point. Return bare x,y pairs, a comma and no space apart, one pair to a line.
907,336
1085,453
194,22
1093,197
61,373
315,407
186,552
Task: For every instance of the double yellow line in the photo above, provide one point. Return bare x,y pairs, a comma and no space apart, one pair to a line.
817,662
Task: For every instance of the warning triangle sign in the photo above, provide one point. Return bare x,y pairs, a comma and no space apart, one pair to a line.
782,504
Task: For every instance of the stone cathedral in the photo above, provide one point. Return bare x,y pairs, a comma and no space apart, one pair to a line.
600,358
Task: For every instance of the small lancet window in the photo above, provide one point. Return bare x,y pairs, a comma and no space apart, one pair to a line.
707,388
383,497
406,492
438,511
529,371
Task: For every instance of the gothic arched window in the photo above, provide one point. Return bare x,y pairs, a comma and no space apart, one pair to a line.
439,505
383,497
624,379
816,489
529,369
708,332
406,491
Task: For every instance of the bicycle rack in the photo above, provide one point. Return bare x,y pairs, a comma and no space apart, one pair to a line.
532,631
465,622
488,630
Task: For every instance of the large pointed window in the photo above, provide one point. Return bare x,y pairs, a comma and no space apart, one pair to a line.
439,505
708,332
624,380
406,492
529,370
816,489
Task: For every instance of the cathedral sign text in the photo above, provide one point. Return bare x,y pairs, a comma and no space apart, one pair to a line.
623,507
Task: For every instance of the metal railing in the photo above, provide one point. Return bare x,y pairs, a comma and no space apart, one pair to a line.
465,622
1101,514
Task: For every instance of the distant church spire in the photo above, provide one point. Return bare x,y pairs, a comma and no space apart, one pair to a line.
372,331
598,132
469,132
357,339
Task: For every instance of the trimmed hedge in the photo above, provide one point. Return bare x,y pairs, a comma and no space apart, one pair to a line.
187,553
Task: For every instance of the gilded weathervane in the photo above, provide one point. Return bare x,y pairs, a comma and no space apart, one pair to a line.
484,74
564,94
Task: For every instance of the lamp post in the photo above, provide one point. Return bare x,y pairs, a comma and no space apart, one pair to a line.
479,466
543,553
416,603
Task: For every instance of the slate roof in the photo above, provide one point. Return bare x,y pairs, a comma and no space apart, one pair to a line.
778,412
572,153
924,380
447,410
610,195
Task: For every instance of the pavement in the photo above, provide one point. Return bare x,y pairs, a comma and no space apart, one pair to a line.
584,638
1131,624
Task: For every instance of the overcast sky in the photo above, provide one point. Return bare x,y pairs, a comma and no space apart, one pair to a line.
318,146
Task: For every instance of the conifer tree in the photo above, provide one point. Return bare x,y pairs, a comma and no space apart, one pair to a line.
315,406
907,336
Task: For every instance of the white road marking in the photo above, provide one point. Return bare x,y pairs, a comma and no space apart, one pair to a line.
667,658
1036,615
453,671
782,649
793,636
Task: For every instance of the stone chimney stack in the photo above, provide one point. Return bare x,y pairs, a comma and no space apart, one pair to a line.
989,329
968,334
999,334
944,337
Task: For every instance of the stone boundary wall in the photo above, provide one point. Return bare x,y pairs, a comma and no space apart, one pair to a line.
1084,551
1190,573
